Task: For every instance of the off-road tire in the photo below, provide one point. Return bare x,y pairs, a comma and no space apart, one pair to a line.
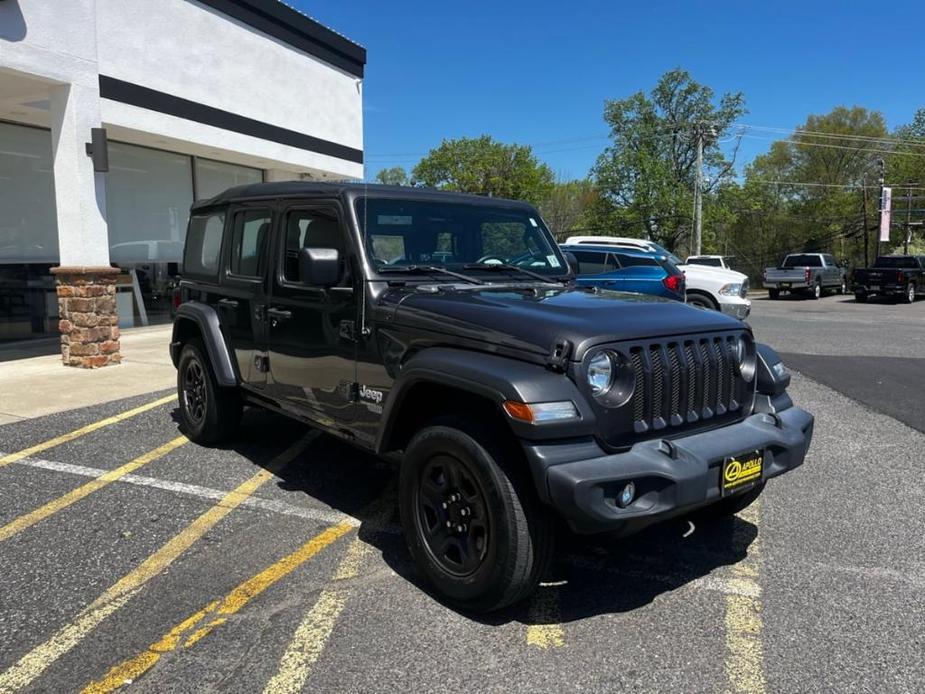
212,414
520,536
731,505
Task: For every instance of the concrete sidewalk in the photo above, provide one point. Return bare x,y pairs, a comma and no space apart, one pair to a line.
42,385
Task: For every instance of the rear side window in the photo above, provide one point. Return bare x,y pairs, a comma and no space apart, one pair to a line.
593,262
802,261
204,246
636,261
249,235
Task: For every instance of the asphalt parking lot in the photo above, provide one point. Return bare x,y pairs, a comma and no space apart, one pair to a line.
132,558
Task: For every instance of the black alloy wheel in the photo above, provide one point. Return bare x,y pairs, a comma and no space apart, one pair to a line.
451,515
209,413
194,391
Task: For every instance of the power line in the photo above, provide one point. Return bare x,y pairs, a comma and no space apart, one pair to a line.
885,139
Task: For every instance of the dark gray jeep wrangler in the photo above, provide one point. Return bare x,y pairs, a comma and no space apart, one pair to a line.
445,331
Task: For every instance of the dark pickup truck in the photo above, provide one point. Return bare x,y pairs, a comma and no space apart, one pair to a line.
900,276
446,332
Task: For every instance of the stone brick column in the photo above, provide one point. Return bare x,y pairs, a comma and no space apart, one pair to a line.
89,323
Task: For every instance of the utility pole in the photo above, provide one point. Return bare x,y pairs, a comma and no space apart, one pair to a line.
865,225
881,165
705,133
908,234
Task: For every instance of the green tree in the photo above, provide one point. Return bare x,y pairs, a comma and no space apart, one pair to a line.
568,206
811,186
486,167
646,175
395,176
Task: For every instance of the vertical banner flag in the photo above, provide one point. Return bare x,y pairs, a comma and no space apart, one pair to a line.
887,203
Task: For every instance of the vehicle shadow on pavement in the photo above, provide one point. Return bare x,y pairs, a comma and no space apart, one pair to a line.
591,575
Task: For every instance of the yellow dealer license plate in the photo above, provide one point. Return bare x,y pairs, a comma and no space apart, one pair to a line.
741,471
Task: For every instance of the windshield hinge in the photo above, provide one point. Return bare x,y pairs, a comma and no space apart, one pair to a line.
559,356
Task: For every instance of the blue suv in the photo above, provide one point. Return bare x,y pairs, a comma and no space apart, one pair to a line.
627,270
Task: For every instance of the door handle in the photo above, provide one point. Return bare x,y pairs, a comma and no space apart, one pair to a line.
279,314
227,303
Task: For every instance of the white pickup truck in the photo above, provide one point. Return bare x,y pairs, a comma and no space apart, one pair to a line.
708,287
808,273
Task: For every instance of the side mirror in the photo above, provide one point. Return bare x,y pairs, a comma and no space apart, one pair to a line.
319,267
572,261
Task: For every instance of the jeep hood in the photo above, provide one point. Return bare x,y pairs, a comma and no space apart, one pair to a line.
536,318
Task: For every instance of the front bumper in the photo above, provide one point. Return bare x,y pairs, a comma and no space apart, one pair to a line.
672,477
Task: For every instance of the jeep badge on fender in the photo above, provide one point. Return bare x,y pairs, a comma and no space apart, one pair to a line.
511,398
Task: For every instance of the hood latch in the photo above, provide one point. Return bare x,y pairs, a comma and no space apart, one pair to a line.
559,356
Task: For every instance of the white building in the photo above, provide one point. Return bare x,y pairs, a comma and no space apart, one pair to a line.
194,95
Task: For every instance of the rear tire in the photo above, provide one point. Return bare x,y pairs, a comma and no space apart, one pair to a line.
471,517
910,294
208,413
730,505
843,288
816,291
860,297
774,293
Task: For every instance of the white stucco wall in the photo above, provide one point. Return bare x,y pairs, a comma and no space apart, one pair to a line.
186,49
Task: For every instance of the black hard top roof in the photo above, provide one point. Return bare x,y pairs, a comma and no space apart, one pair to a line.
296,189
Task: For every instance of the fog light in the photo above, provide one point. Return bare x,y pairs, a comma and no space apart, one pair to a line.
627,494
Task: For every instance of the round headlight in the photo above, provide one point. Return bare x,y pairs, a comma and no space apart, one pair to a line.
744,355
739,350
600,373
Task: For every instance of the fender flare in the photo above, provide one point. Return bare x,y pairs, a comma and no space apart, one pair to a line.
493,377
206,319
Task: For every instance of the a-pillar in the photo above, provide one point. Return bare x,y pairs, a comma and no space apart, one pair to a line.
85,280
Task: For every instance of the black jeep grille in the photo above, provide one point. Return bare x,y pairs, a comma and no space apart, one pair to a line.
685,381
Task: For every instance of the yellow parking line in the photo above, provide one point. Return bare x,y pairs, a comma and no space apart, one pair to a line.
133,668
545,632
311,636
62,502
77,433
744,649
34,663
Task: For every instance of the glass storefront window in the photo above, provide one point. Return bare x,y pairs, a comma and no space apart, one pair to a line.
28,234
213,177
148,196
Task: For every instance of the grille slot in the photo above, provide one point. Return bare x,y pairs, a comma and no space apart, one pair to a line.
680,383
658,375
674,382
639,399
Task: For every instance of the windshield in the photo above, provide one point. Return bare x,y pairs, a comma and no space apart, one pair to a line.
896,261
401,233
712,262
802,261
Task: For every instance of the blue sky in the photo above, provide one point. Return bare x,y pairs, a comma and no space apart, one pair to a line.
539,72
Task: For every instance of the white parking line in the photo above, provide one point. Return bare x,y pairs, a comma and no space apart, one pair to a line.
329,517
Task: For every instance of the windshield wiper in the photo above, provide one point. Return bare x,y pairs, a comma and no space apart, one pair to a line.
429,269
514,268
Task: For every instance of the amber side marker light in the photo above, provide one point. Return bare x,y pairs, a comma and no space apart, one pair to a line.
540,412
